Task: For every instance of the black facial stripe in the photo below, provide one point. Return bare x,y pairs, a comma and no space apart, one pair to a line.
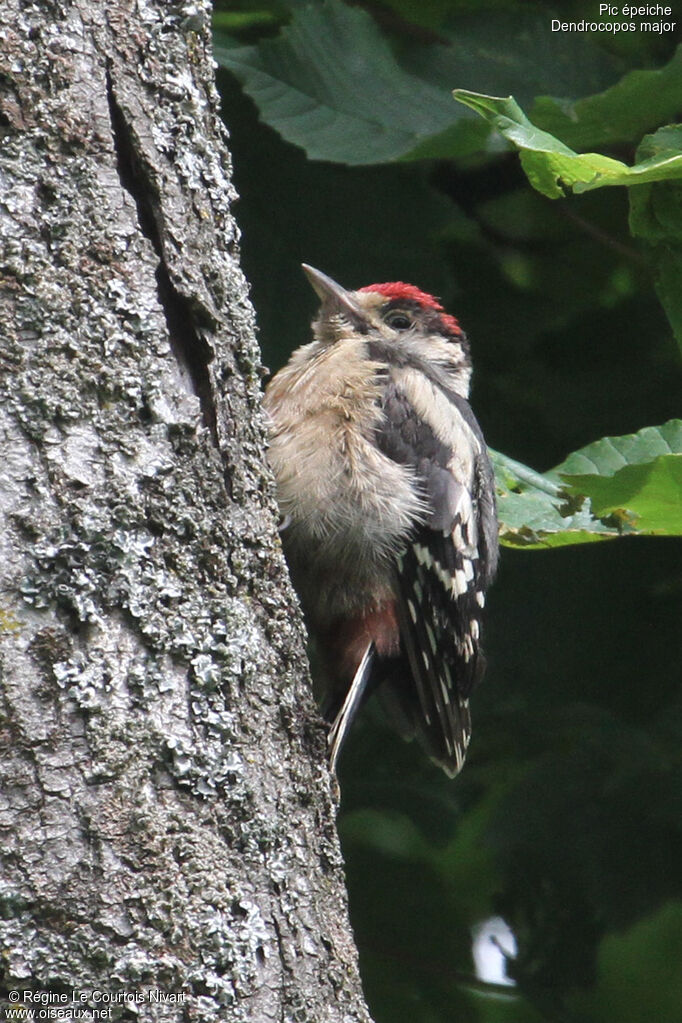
429,320
407,305
391,354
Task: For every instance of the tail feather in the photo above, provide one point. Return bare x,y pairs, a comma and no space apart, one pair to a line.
349,708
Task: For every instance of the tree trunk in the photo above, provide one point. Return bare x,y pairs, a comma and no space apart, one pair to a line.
167,824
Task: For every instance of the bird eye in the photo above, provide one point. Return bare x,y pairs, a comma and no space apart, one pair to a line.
398,320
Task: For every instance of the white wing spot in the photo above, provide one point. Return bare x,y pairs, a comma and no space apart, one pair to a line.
459,583
423,555
444,577
467,648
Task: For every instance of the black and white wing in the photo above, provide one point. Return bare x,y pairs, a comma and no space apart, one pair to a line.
444,571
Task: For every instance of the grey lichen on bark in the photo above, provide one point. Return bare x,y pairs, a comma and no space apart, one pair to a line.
166,814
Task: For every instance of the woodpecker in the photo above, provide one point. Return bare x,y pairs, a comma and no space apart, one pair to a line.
387,498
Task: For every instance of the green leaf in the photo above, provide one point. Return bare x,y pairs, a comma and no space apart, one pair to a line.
656,218
330,83
638,974
534,513
653,492
615,486
668,280
551,167
607,456
642,100
638,475
478,55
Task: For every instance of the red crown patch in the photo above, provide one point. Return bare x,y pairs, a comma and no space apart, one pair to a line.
398,289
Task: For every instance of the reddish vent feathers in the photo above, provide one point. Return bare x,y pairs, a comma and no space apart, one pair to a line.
398,289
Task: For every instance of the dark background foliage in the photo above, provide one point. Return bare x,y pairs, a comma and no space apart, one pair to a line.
567,820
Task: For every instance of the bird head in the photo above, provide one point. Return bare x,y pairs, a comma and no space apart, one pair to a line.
407,322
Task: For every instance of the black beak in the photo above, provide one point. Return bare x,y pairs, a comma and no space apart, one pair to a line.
333,296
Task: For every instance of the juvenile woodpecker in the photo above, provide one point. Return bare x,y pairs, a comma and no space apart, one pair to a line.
388,504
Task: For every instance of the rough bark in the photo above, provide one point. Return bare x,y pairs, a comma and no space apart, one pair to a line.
166,816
